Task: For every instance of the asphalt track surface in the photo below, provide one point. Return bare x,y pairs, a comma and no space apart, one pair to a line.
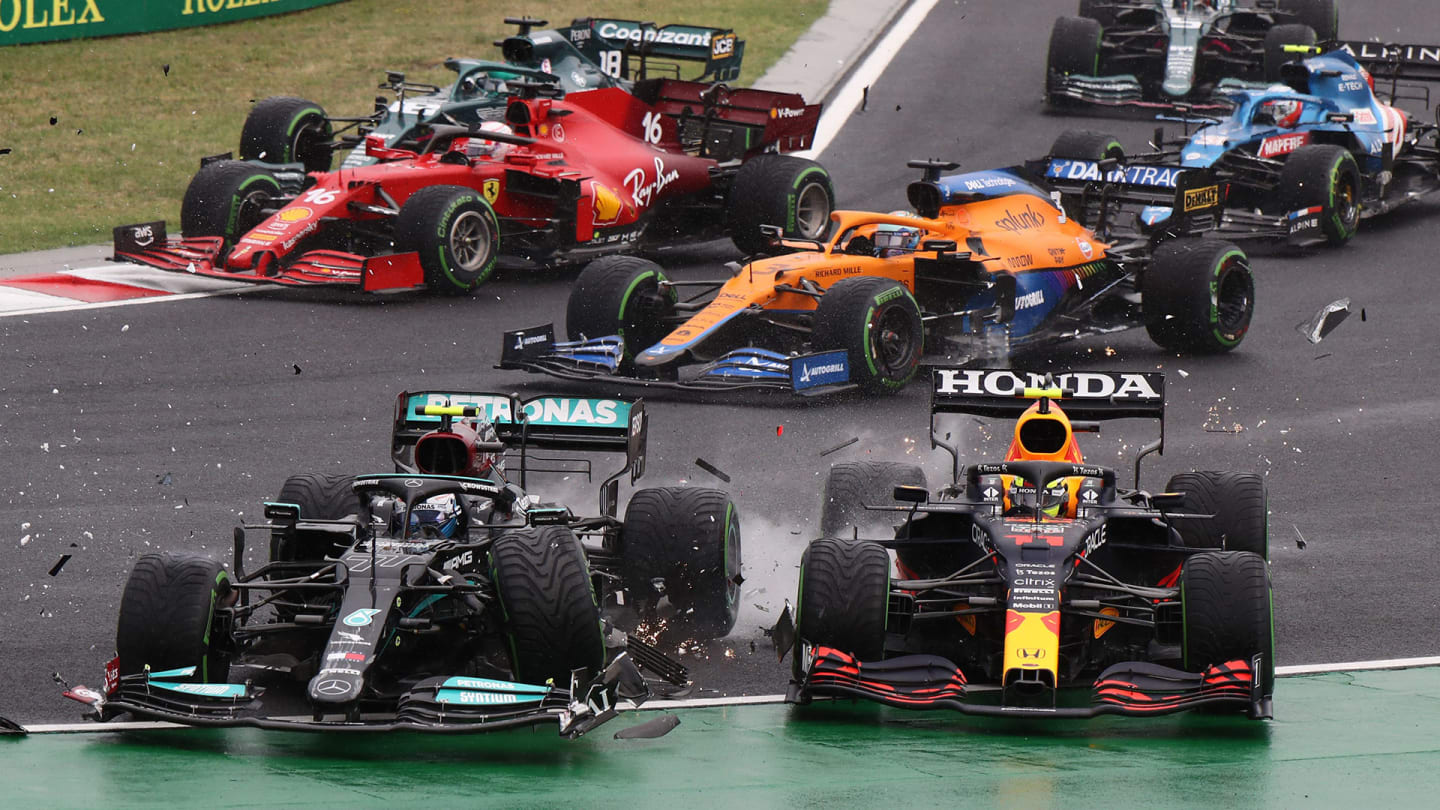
131,429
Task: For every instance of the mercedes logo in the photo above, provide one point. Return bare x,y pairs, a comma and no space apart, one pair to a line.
334,688
412,482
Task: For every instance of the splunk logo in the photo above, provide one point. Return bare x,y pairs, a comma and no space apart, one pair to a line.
1026,220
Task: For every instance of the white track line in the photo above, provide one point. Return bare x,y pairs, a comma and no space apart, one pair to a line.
844,102
758,700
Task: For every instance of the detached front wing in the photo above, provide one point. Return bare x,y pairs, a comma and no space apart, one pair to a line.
931,682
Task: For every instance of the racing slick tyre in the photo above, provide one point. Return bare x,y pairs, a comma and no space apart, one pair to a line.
1324,177
844,597
852,484
793,193
553,622
456,233
1198,296
877,322
1322,16
621,295
1239,504
1276,39
227,198
167,615
1225,600
1101,11
285,129
1074,48
688,537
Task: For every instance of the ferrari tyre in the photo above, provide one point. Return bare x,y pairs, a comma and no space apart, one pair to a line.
553,622
1198,296
1321,16
621,295
456,233
320,497
791,192
167,616
1240,506
1085,144
1225,599
1326,177
877,322
852,484
1276,39
844,596
285,129
1074,49
689,537
227,198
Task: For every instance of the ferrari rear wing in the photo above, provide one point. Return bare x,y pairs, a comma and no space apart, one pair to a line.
725,123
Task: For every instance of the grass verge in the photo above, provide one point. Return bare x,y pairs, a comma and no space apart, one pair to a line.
102,135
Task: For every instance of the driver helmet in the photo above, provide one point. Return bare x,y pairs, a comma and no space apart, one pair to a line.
1022,499
478,146
893,240
1282,112
435,518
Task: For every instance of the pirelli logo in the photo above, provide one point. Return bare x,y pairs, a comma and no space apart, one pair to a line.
1198,198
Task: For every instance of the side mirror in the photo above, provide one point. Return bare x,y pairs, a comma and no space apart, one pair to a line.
1167,500
906,494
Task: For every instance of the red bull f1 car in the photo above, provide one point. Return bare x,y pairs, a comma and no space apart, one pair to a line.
1037,586
989,262
442,597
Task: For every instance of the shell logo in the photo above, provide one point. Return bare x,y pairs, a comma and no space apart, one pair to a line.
606,206
296,214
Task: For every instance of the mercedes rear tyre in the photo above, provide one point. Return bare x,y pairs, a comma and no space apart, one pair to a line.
1238,503
1198,296
167,616
844,597
456,233
543,579
1225,599
1325,178
686,540
792,193
621,295
877,322
227,198
284,129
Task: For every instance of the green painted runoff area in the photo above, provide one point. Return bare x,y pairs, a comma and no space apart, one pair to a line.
1354,739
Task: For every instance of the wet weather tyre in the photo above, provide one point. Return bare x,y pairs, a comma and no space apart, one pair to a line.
1198,296
877,322
1225,599
852,484
551,616
1321,16
1276,39
1326,177
1237,500
621,295
227,198
790,192
1074,49
456,233
167,616
844,596
285,129
689,537
320,497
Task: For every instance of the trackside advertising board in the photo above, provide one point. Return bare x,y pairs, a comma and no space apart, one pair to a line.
27,21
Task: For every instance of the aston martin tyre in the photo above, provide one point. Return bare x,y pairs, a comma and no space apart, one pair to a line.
851,485
1085,144
1276,40
1074,49
551,616
456,234
1198,296
790,192
844,594
284,129
877,322
1326,177
1238,503
227,198
167,613
688,539
1321,16
620,295
1226,604
1101,11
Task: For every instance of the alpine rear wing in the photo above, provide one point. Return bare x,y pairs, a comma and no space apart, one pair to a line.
609,43
1391,61
1196,196
1083,395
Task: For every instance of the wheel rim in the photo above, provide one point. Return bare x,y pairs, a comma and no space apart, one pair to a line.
812,211
1233,302
307,147
470,241
251,211
893,341
1345,205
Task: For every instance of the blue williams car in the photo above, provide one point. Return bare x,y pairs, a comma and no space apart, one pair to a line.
1306,158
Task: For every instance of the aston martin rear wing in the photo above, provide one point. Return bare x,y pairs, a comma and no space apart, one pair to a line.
608,43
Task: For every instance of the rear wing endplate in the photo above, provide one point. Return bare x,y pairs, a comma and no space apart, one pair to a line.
1392,61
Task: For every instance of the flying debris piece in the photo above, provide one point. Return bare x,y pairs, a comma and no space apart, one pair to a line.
659,727
1362,309
712,469
296,367
864,97
55,569
4,150
8,726
1299,538
165,68
54,120
164,480
1330,316
782,635
840,446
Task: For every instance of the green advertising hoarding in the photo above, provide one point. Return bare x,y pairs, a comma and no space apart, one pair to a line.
25,21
